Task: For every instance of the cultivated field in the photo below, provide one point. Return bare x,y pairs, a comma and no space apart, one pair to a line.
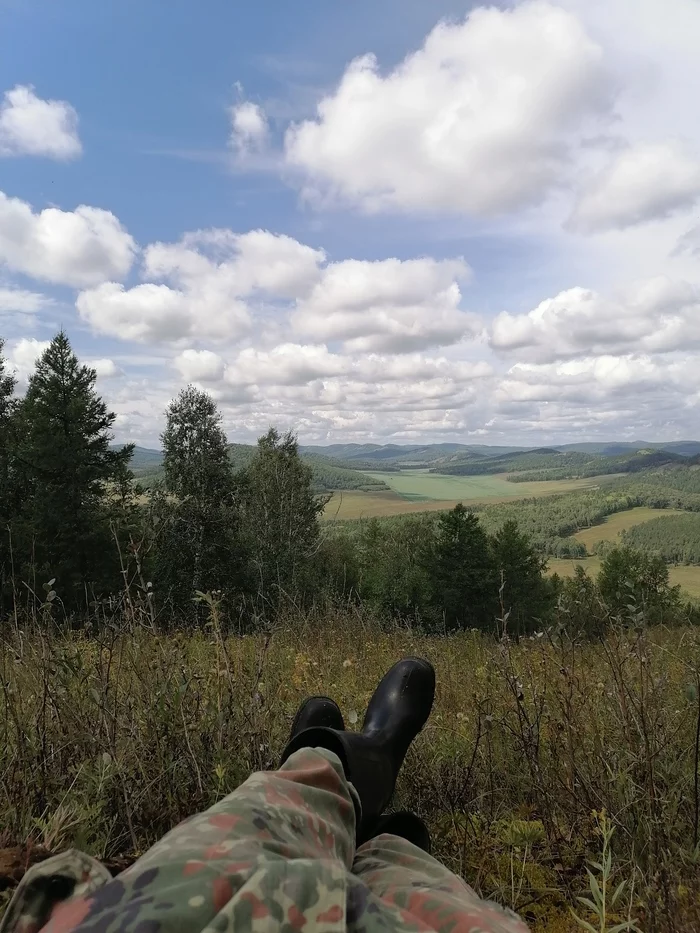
610,529
420,491
688,577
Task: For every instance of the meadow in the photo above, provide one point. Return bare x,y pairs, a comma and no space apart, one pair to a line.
687,577
609,529
531,752
421,491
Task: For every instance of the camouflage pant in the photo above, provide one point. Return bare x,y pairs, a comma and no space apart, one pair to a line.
276,854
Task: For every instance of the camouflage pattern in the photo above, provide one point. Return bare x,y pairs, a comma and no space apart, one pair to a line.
276,854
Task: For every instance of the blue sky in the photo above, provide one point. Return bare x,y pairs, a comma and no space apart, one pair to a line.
485,232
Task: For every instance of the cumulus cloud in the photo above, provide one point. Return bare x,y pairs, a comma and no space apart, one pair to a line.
199,365
658,315
249,128
32,126
22,301
23,355
209,280
105,368
213,284
482,118
388,305
642,183
78,248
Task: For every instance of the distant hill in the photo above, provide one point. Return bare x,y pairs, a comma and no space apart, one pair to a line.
328,474
344,466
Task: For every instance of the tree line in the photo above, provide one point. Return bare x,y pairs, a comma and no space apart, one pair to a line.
80,539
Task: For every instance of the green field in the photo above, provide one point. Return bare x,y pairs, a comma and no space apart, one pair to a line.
610,529
422,486
688,577
421,491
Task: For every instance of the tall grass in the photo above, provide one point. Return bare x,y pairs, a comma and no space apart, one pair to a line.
109,740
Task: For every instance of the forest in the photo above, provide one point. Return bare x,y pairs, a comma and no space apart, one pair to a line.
81,537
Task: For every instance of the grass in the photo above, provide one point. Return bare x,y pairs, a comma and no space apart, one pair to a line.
420,491
108,743
687,577
610,528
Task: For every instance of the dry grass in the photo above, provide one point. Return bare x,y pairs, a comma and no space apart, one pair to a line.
610,528
687,577
109,742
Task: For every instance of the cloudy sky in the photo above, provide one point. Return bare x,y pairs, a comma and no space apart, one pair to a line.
378,220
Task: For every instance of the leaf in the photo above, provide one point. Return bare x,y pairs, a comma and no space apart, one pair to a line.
584,923
618,891
587,902
627,925
595,888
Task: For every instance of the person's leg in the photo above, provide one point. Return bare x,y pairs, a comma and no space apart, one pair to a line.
426,893
275,852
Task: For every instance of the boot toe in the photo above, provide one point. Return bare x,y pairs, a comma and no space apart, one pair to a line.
317,712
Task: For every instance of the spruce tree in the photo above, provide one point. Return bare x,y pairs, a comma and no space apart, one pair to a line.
64,471
462,571
524,591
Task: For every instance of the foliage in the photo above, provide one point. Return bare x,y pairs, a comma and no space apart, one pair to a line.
524,592
194,518
632,581
61,475
524,742
462,572
280,520
675,538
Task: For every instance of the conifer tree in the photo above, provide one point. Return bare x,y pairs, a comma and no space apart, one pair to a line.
280,515
64,468
463,577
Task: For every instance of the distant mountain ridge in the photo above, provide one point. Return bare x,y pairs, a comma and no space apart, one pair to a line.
342,466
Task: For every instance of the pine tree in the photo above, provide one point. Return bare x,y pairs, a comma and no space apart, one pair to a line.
198,543
64,468
462,571
524,590
280,518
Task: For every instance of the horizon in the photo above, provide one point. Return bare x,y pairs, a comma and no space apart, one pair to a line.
257,202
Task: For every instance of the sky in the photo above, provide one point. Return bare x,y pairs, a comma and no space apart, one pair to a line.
391,221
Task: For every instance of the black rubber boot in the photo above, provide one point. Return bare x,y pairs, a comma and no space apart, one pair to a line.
371,759
407,825
317,711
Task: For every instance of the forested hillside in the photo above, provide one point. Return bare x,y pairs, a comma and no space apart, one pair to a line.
675,538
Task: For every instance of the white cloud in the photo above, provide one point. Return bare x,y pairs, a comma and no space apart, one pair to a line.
215,283
78,248
32,126
23,356
199,366
21,301
105,368
388,305
657,315
212,279
482,118
642,183
249,129
145,312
